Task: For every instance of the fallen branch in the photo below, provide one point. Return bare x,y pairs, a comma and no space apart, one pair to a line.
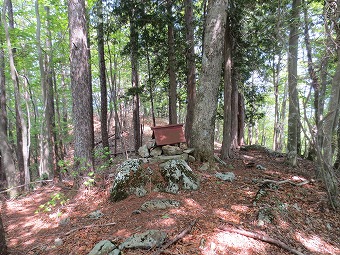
89,226
174,240
285,181
261,237
6,190
220,160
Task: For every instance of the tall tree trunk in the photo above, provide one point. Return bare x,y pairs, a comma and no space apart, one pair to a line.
135,79
234,113
81,88
226,143
45,153
50,107
325,154
293,117
22,153
240,118
171,67
103,83
191,67
3,100
202,138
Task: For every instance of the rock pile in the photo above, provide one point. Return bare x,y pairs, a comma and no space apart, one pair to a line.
159,154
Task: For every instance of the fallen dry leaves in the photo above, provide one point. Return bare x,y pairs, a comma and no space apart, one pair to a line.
301,216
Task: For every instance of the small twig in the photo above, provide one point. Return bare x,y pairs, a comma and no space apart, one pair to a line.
178,237
261,237
89,226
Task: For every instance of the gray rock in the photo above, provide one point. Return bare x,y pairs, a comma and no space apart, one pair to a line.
162,158
229,176
140,192
102,248
64,221
159,204
260,167
157,151
146,240
189,150
205,167
120,188
179,172
115,252
96,214
169,150
191,159
144,151
58,242
150,144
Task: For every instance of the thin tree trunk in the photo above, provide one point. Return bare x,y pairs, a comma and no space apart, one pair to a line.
226,143
22,154
171,67
103,83
191,67
293,118
135,79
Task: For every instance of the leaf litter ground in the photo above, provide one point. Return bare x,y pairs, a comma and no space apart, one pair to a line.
299,215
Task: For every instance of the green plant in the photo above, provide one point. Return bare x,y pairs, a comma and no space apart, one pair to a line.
56,199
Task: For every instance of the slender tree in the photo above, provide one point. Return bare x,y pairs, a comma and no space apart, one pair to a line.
81,88
171,67
191,67
202,138
102,74
293,117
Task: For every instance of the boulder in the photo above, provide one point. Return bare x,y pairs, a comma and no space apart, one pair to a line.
157,151
102,248
121,186
144,151
135,177
178,174
169,150
230,176
146,240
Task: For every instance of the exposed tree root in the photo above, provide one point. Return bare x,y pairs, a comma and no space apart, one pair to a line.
177,237
261,237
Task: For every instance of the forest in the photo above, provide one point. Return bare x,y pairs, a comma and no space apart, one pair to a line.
80,82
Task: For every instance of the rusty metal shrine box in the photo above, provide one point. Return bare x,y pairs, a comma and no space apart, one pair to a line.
169,134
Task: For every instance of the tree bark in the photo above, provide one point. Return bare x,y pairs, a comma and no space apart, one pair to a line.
293,117
191,67
202,138
134,78
81,88
103,83
226,143
171,67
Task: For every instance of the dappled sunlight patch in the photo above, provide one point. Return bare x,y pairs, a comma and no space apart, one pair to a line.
164,221
123,232
240,208
222,242
227,216
316,244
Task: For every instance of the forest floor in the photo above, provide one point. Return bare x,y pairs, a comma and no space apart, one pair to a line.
222,214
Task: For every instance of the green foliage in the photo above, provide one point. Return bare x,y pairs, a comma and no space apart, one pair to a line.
57,199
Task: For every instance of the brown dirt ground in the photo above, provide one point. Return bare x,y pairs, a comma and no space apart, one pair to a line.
307,225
